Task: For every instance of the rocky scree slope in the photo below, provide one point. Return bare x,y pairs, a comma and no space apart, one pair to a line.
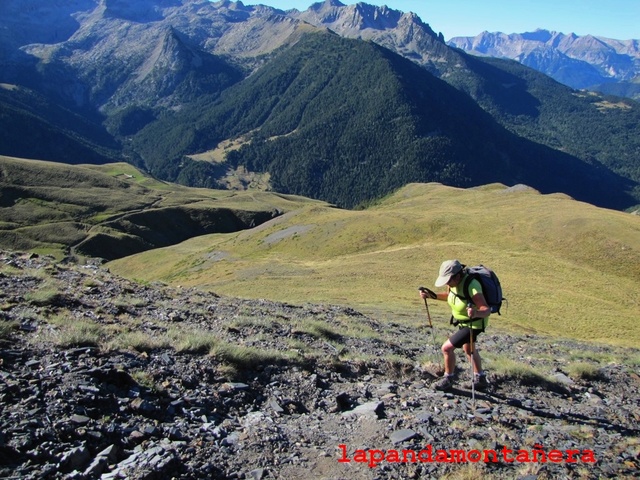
86,411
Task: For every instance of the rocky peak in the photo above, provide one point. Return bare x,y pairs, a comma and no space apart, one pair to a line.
326,4
139,11
404,33
228,5
359,16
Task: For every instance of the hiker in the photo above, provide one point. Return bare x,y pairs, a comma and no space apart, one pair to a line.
470,315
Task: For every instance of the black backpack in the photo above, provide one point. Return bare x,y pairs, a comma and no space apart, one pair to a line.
491,287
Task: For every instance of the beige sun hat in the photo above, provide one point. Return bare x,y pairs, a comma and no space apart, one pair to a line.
447,270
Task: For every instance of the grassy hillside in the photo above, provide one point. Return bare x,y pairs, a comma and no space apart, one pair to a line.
568,268
115,210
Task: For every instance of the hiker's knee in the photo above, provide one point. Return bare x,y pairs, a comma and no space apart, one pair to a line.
447,348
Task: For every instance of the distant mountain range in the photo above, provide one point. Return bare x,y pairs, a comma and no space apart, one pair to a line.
588,62
339,103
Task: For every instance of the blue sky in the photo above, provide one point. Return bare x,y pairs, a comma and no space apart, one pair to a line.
618,19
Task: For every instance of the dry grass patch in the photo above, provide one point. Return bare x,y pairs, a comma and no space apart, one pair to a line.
48,293
632,361
468,472
316,328
139,341
145,379
235,359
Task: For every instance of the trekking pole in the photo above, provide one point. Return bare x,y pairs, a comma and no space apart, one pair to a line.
473,385
426,305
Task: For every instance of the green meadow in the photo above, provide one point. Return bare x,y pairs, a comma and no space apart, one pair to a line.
568,269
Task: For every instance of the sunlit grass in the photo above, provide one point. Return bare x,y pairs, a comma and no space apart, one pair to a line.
61,205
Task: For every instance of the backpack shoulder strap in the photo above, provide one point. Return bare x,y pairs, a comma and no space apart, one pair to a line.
465,286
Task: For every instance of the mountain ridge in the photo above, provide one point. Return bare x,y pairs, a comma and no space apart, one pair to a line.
434,122
581,62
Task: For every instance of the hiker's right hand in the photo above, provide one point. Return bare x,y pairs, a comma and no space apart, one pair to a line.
426,293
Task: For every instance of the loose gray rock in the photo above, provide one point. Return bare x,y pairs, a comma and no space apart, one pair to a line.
85,412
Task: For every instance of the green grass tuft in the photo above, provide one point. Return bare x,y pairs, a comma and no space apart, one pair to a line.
193,341
242,357
7,328
139,341
515,370
584,371
78,333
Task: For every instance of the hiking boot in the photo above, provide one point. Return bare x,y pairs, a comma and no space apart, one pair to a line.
445,383
480,382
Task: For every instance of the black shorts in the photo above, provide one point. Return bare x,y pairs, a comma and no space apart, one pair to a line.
461,337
